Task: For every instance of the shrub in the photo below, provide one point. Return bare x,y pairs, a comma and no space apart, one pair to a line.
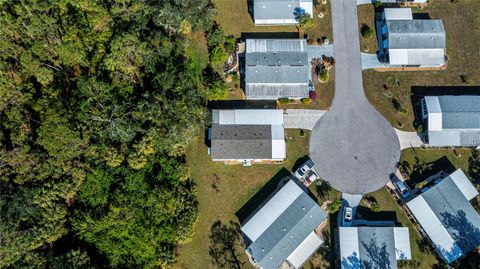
305,20
302,133
366,31
217,91
334,205
378,3
218,55
420,128
313,95
323,75
283,100
306,101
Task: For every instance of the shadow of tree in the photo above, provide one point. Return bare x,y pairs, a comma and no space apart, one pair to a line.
474,165
378,255
323,190
224,242
465,234
351,262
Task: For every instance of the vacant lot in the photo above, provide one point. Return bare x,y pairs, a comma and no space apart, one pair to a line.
462,25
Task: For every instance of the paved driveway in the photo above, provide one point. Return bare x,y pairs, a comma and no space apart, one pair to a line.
352,145
409,139
301,118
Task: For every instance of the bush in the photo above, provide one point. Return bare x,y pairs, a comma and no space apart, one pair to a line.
283,100
218,55
306,101
302,133
217,91
420,128
378,3
334,205
313,95
323,75
366,31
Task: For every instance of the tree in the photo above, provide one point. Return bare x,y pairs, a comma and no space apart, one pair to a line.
217,91
305,20
366,31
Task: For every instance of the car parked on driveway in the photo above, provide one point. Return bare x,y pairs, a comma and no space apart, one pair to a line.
348,214
401,188
306,173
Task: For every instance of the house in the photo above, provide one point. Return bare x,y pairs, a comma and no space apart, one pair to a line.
408,42
452,120
247,135
373,247
277,68
283,229
446,216
280,12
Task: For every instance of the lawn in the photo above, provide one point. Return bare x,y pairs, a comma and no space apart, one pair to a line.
235,185
366,16
462,24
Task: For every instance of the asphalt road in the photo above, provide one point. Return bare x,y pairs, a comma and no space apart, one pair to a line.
352,145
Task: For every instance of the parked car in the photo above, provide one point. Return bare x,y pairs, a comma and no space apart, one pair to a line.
347,216
306,173
402,188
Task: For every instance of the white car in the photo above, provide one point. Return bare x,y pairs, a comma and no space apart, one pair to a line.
348,214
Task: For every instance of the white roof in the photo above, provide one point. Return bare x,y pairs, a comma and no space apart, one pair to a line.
430,223
402,243
248,116
348,237
416,56
279,147
271,210
301,254
464,184
398,14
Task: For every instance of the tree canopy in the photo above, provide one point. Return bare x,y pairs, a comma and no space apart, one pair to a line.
98,100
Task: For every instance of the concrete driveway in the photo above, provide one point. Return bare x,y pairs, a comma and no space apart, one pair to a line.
301,118
352,145
409,139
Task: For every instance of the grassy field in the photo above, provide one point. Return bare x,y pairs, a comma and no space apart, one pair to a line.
462,24
235,185
366,15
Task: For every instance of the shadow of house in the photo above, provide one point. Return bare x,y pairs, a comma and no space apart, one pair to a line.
261,197
369,215
269,35
243,104
421,170
421,16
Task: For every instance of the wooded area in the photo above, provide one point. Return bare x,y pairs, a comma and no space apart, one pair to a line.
97,101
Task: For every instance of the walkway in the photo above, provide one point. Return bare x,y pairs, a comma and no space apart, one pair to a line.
353,146
301,118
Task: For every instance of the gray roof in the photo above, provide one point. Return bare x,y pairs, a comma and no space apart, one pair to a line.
377,247
276,68
416,34
275,9
241,142
460,112
287,232
457,216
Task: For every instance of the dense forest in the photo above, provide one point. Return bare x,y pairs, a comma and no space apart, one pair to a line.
97,101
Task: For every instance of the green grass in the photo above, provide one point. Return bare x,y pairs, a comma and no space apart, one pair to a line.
462,25
366,16
236,185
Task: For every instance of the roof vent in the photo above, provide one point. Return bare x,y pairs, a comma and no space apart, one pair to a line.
303,208
284,229
263,249
278,61
291,236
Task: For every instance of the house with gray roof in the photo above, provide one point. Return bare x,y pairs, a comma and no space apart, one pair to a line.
447,217
373,247
408,42
283,230
247,135
277,68
280,12
452,120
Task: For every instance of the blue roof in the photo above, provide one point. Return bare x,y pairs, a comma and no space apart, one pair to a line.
287,232
457,216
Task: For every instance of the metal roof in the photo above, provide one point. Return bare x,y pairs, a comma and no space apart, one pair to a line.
373,247
275,91
305,250
241,142
398,13
416,34
248,116
453,120
448,218
279,9
276,68
281,225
